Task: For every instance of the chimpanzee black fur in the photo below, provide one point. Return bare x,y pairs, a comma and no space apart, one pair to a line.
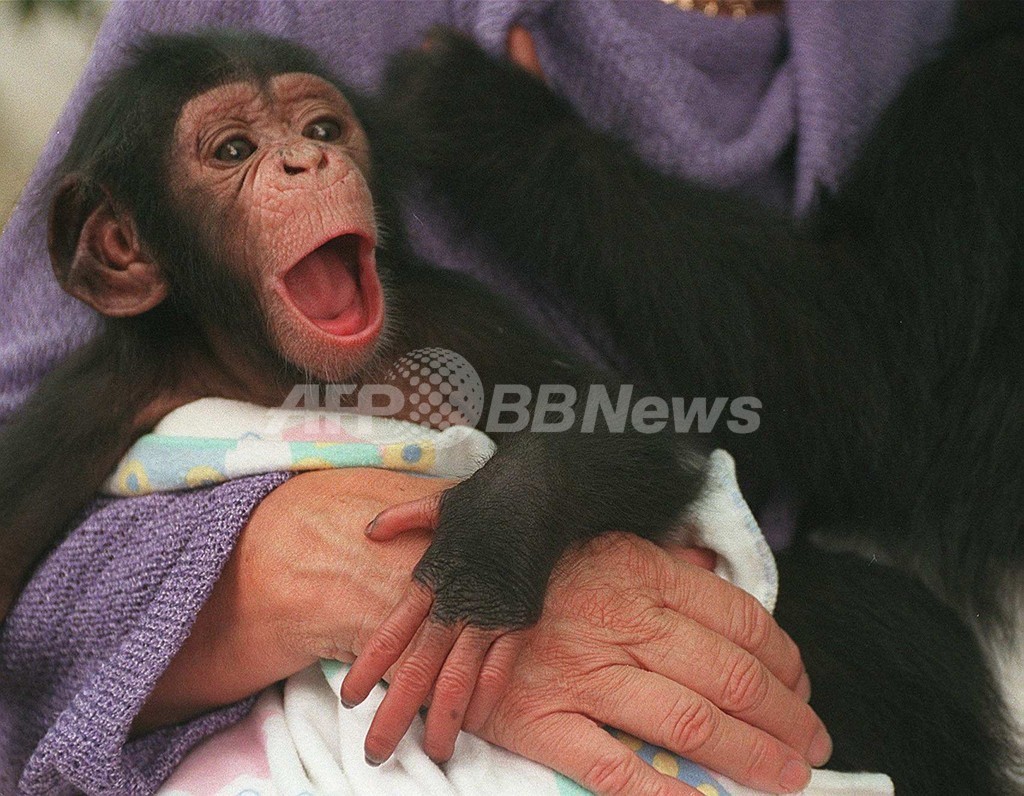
884,336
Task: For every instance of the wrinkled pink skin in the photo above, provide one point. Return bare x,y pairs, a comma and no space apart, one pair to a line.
289,197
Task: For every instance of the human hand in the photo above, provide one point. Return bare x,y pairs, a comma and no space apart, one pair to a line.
301,584
641,641
623,623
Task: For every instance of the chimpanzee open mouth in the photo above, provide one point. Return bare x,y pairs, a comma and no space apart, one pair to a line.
336,286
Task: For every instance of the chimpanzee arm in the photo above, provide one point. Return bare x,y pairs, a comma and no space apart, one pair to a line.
499,534
580,481
710,295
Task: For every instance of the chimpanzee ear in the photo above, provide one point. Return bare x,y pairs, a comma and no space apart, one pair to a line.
97,253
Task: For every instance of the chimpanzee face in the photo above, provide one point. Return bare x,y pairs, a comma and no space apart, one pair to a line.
277,175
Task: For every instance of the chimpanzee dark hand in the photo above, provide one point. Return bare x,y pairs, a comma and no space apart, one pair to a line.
457,107
456,631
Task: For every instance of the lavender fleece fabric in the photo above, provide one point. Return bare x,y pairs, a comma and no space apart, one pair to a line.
773,106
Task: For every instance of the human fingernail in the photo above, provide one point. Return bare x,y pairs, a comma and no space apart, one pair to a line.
795,775
370,527
372,761
346,704
820,749
803,688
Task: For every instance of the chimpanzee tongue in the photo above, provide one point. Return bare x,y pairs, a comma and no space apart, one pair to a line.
324,287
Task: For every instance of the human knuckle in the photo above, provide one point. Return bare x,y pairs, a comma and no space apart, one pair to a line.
690,592
638,558
648,625
690,724
752,624
613,545
759,754
611,773
746,685
593,605
627,611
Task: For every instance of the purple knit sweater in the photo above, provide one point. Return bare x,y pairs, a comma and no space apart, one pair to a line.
775,106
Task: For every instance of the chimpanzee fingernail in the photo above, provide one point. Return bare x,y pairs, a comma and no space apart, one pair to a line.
371,762
370,527
346,704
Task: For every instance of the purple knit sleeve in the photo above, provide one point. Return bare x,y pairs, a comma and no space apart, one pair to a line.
94,630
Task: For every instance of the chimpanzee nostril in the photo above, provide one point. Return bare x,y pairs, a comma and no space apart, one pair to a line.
300,158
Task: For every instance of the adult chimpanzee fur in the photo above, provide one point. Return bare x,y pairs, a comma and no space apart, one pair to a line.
885,337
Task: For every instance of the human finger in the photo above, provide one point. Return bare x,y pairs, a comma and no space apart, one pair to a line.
731,612
735,681
589,755
691,726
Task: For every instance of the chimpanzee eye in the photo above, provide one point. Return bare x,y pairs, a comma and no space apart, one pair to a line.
323,130
235,151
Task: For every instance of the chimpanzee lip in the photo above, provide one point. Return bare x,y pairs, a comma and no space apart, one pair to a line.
335,287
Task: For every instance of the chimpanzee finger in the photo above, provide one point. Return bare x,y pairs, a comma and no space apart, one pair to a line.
521,50
387,643
453,691
409,688
493,679
416,515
